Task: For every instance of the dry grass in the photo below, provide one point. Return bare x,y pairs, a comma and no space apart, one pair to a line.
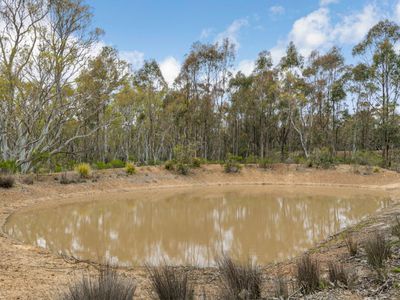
6,181
281,288
108,285
338,274
377,250
239,281
352,245
169,284
308,274
396,228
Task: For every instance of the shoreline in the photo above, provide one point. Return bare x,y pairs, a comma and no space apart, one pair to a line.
29,271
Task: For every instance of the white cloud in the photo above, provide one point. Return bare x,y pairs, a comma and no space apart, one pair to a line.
135,58
232,32
246,67
277,10
327,2
355,26
170,68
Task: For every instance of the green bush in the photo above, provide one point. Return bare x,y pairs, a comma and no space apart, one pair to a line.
321,158
117,164
265,163
84,170
100,165
251,159
232,164
130,168
169,165
182,168
8,166
367,158
196,162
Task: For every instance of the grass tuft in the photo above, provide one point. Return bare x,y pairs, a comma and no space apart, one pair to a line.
377,250
7,181
240,281
130,168
396,228
84,170
308,274
352,245
168,284
337,274
108,285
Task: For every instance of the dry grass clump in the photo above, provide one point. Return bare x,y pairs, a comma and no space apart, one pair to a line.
84,170
308,274
239,281
108,285
28,180
352,245
6,181
338,274
396,228
169,284
377,250
281,288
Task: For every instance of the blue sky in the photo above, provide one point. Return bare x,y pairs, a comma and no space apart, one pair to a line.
165,30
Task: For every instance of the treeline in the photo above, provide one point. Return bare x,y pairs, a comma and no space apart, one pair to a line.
60,105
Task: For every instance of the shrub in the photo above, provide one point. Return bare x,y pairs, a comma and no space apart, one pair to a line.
169,165
367,158
232,164
130,168
64,179
8,167
396,228
321,158
196,162
102,165
182,168
83,170
265,163
240,281
108,285
169,284
352,245
117,163
6,182
337,274
377,250
308,274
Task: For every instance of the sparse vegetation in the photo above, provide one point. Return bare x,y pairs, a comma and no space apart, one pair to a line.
232,164
84,170
130,168
6,181
308,274
377,250
338,274
281,288
351,244
108,285
321,158
396,228
170,284
239,281
28,180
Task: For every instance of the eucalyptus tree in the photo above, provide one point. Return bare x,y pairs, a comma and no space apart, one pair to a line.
379,52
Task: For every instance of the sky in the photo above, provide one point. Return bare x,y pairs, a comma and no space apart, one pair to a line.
165,30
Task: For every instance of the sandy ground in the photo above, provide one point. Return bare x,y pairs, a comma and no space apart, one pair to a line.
27,272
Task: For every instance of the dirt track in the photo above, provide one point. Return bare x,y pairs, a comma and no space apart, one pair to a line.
27,272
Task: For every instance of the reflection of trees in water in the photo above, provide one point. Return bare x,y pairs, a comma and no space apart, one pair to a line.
191,227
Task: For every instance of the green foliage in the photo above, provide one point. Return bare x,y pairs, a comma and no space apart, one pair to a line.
182,168
84,170
367,158
6,181
196,162
130,168
170,165
100,165
8,166
321,158
117,164
232,164
265,163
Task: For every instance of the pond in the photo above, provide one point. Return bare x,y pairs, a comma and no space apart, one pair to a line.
195,225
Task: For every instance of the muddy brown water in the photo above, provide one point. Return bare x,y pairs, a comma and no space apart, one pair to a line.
195,225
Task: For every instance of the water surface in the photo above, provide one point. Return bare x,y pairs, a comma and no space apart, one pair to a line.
193,226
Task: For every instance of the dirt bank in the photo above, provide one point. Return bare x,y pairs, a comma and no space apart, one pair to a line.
27,272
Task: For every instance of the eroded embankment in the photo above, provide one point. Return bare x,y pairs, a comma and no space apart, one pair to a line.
32,273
